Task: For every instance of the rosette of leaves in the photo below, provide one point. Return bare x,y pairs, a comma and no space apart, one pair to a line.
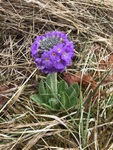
59,97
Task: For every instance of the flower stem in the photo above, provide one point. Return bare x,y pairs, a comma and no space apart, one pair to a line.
54,82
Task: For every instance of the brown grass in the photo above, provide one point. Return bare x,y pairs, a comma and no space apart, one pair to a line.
23,124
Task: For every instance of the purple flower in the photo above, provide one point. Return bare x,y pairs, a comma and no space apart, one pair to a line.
46,61
52,52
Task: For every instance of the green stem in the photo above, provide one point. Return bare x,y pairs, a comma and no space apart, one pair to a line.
54,82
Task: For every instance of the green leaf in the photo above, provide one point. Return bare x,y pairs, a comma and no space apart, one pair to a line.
64,100
42,89
62,86
54,103
41,98
73,98
76,87
73,87
36,98
48,84
49,107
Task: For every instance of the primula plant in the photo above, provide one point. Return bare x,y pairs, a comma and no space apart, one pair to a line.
52,53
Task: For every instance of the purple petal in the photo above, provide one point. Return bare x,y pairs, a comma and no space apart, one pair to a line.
59,64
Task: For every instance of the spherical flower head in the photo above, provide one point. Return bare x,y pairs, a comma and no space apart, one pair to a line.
52,52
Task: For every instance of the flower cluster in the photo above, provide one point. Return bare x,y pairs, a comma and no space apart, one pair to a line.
52,52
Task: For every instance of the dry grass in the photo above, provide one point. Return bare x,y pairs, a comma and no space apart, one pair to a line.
23,124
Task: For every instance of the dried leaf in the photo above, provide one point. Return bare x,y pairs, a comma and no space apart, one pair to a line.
103,64
80,78
110,60
71,78
106,64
